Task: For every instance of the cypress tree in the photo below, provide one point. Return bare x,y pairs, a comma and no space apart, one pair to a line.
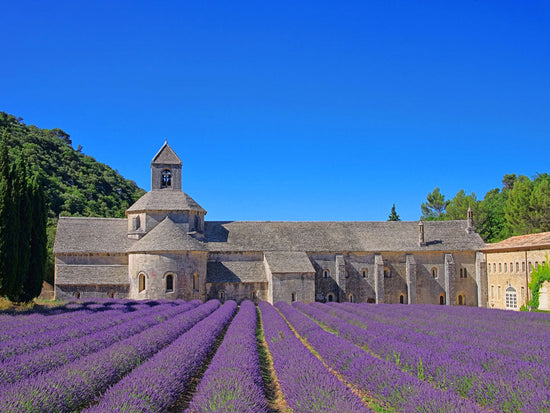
32,285
6,218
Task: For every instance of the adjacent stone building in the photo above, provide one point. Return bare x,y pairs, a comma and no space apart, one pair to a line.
166,249
509,266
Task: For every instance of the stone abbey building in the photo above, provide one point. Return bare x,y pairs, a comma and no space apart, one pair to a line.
164,248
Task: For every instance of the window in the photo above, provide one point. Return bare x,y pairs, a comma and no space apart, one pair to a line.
387,272
511,298
401,298
530,266
166,178
517,266
136,222
492,292
460,299
169,283
196,282
141,282
293,298
221,296
499,267
76,294
536,264
489,268
330,297
511,267
254,295
499,292
434,272
351,298
441,299
111,294
326,273
465,273
364,272
523,294
505,267
461,273
495,267
523,266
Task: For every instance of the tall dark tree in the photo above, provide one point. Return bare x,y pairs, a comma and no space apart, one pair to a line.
32,284
6,218
492,221
435,205
393,215
457,208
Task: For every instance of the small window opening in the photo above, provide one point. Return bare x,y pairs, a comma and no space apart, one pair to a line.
330,297
254,295
141,282
351,298
169,283
326,273
442,299
221,296
460,299
401,298
434,272
387,272
111,294
511,297
196,282
76,294
517,266
364,272
166,177
293,297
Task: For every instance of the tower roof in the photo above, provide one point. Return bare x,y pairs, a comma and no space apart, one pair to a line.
159,200
166,155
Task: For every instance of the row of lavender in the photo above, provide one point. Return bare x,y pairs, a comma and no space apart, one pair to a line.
501,380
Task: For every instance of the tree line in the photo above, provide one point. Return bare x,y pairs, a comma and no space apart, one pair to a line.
23,219
521,206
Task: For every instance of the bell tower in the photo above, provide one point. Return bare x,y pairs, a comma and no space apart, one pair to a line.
166,170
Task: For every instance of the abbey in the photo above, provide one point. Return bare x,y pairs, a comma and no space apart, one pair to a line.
164,248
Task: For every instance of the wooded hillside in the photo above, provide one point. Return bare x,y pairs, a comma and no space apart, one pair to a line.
74,184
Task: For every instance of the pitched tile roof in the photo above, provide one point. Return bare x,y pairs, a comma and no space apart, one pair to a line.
91,235
235,271
91,274
165,200
167,236
528,241
166,155
288,262
339,236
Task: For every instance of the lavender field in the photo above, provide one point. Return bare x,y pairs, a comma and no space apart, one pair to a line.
172,356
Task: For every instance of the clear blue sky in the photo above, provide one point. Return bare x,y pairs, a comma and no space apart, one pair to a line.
291,110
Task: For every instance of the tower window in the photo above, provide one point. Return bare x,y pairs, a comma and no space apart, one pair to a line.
434,272
166,179
293,298
169,283
387,272
364,272
326,273
141,282
460,299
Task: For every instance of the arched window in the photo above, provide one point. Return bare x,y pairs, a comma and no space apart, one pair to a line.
499,292
166,178
434,272
495,267
460,299
401,298
364,272
517,266
505,267
492,292
169,283
511,267
351,298
196,281
441,299
326,273
523,266
76,294
293,297
489,268
511,297
141,282
499,267
221,296
330,297
111,294
254,295
465,273
387,272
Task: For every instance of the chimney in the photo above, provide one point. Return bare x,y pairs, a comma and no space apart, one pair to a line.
421,240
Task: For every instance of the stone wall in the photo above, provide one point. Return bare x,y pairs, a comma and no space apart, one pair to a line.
155,268
87,291
256,291
290,287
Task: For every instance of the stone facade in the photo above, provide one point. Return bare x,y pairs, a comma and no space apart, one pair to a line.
166,249
509,266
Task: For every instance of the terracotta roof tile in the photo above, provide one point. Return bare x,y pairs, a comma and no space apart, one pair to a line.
521,242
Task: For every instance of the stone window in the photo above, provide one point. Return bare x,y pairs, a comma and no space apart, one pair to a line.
221,296
461,300
517,266
492,292
330,297
293,297
434,272
465,273
523,266
499,292
401,298
76,294
254,295
364,272
530,266
351,298
111,294
511,267
536,264
495,267
505,267
136,222
441,299
511,297
326,273
499,267
166,178
387,272
523,293
489,268
169,283
196,281
141,282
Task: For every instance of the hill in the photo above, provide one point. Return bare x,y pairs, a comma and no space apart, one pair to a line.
75,184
